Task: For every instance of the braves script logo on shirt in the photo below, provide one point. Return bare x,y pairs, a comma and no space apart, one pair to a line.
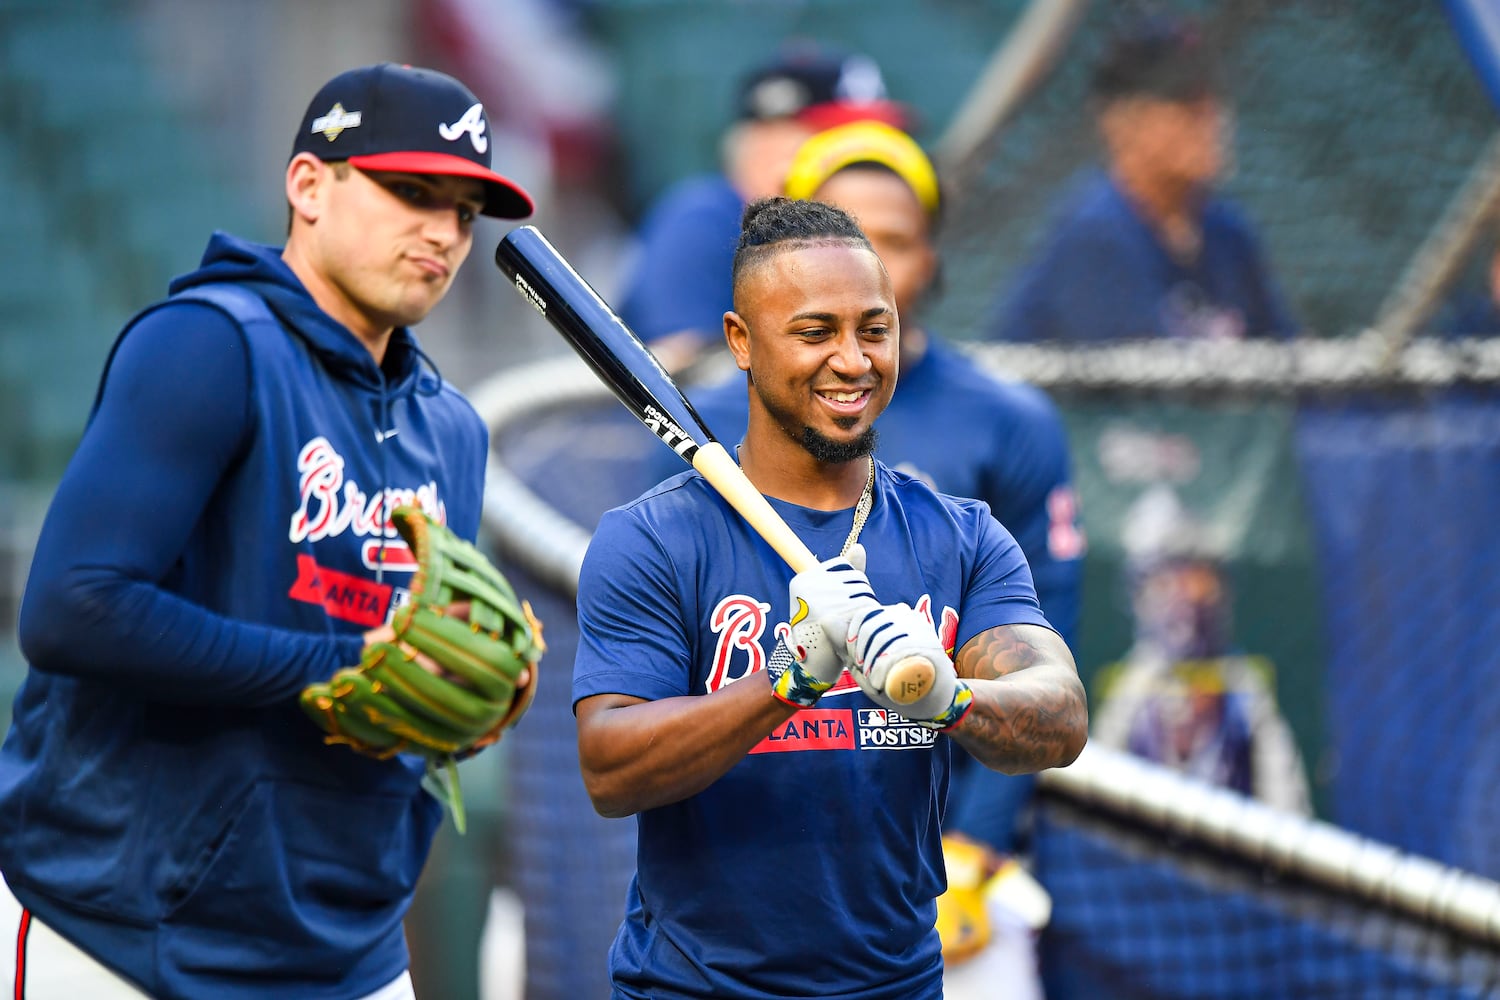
740,623
328,506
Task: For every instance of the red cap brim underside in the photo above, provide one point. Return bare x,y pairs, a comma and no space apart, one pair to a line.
505,198
834,113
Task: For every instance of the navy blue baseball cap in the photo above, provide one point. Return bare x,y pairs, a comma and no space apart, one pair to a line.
1160,56
819,86
411,120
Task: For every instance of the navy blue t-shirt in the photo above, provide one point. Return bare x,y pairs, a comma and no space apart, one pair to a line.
1471,313
1103,274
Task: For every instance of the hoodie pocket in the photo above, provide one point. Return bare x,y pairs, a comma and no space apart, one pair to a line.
315,872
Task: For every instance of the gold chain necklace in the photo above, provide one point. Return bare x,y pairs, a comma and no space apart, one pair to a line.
861,510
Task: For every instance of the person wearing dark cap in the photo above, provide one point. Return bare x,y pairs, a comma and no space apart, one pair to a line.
1144,247
171,823
677,295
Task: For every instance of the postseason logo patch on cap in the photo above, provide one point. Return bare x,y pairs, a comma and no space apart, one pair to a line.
335,121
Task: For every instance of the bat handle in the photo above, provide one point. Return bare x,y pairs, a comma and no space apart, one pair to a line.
723,473
909,679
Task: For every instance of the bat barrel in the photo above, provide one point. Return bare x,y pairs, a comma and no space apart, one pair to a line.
617,356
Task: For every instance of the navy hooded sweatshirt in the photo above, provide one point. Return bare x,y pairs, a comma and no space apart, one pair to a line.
217,543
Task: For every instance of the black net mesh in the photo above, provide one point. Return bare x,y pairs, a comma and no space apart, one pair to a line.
1139,915
1356,120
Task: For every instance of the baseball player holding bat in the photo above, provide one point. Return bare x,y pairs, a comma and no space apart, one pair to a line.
254,624
1012,454
789,812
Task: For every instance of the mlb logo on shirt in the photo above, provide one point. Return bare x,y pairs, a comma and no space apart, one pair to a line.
882,729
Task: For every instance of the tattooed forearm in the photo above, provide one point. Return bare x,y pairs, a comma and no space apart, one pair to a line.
1030,711
1002,651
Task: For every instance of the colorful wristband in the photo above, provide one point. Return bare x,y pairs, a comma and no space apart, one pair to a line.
963,700
795,686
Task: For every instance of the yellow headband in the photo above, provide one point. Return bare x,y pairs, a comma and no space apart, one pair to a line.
826,153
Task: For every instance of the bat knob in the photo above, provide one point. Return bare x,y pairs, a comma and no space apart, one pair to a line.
909,680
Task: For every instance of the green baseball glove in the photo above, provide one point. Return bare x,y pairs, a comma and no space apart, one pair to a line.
393,703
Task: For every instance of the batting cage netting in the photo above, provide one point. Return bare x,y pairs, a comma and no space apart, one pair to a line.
1335,493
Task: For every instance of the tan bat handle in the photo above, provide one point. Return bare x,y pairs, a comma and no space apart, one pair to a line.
906,681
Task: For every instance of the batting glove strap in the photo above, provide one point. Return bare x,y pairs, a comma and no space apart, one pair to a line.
948,720
791,682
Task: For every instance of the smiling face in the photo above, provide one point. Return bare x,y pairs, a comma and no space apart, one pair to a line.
815,326
378,250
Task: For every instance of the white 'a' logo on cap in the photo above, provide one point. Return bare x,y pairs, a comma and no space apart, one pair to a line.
473,123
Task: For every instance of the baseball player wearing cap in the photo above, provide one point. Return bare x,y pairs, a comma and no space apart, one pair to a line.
1144,247
1003,443
675,298
171,823
788,812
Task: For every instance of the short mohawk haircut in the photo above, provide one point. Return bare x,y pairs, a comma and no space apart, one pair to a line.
778,223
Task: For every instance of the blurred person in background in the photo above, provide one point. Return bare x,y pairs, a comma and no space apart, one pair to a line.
1145,247
172,823
1184,696
1003,443
679,290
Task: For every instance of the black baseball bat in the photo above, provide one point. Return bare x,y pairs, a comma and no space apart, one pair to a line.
623,363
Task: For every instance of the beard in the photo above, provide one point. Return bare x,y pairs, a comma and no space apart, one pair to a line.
821,447
831,452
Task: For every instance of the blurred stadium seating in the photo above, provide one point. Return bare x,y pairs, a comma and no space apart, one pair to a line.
111,175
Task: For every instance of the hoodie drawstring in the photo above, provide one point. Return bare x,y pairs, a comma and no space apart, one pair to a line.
384,517
423,358
383,431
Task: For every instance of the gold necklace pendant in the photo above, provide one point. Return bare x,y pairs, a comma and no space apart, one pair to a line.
861,510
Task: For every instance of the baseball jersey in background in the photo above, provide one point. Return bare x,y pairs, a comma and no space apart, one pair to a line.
1103,274
811,867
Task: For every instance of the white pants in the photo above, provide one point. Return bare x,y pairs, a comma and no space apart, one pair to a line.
37,963
1005,969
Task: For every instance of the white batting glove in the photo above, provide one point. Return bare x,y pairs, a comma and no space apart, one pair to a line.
884,636
823,600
